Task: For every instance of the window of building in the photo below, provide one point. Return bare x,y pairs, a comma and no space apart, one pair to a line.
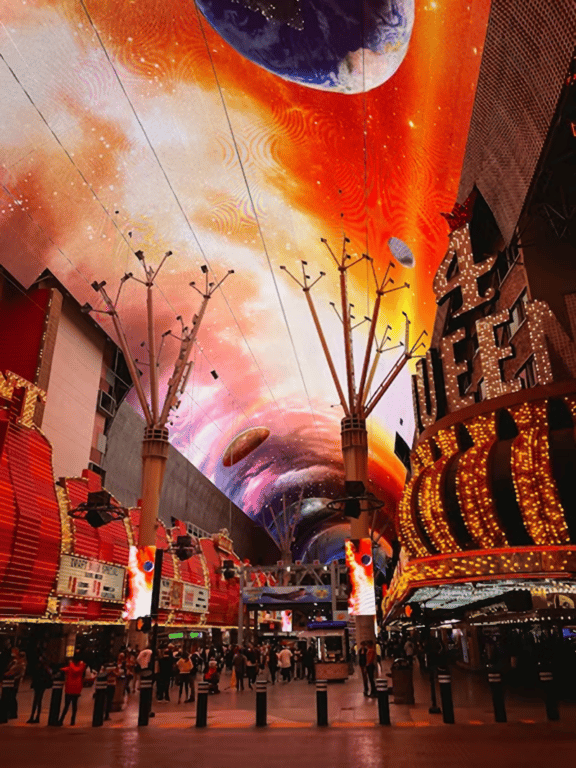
506,260
453,267
518,313
527,374
502,335
194,530
481,390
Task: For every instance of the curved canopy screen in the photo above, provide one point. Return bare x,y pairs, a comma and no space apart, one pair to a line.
237,133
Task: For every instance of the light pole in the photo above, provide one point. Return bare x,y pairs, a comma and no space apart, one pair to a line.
358,404
155,442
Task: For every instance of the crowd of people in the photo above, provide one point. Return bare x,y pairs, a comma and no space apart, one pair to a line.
175,672
270,662
175,669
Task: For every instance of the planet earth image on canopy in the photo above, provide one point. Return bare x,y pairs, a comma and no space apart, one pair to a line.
348,46
243,444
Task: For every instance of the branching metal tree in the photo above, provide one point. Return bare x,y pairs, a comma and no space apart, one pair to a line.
155,443
357,401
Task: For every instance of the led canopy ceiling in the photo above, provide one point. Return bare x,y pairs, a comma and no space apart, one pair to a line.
237,133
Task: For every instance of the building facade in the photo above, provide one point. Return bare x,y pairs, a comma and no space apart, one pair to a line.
487,520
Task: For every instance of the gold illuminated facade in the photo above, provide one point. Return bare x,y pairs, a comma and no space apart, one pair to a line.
492,490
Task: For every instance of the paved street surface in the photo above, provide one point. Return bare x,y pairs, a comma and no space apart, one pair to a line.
415,740
458,746
293,705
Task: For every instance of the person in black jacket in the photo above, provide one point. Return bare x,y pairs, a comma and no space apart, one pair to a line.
41,679
165,667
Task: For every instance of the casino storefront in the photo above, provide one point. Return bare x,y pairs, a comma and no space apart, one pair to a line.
487,519
63,582
489,559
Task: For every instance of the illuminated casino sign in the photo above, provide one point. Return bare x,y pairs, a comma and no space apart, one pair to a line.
195,598
170,594
91,579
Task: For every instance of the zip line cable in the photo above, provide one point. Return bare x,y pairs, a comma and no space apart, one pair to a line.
177,199
95,195
256,217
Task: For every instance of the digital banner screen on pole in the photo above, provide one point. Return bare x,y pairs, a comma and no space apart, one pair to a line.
140,580
361,601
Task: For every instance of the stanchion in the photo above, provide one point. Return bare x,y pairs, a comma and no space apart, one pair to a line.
202,705
55,701
495,680
261,707
550,694
446,696
383,701
433,709
99,700
146,680
9,695
322,702
4,702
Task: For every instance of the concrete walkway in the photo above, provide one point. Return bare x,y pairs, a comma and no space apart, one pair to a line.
293,705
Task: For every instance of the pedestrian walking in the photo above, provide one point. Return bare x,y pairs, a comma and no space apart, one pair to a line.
239,665
73,682
165,665
184,666
371,667
298,667
41,680
285,663
309,665
362,651
272,663
16,670
251,666
130,667
113,672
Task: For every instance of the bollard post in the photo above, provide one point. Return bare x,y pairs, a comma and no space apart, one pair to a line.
495,680
433,709
99,699
56,701
145,704
444,681
383,701
322,702
5,702
261,708
550,694
202,704
9,692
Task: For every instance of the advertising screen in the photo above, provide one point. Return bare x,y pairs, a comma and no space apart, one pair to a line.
140,579
238,133
286,621
361,601
294,594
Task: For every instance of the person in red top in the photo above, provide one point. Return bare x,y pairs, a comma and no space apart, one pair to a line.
74,680
371,667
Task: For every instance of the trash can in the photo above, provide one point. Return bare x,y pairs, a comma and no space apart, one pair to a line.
402,682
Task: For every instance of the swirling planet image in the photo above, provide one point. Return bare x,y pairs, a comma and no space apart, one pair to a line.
347,46
236,134
243,444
